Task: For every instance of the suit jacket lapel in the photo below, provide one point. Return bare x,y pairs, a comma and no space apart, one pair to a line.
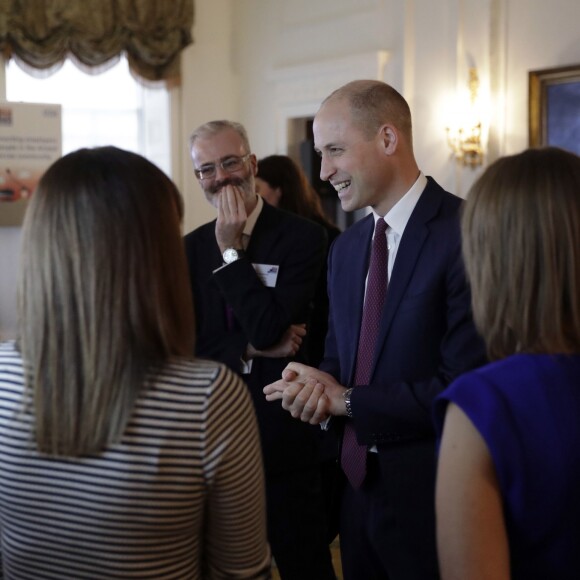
264,234
414,237
357,278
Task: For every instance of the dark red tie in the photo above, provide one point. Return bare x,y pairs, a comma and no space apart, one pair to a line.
354,456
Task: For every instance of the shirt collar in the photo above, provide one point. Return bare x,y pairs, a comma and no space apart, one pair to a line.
253,217
399,214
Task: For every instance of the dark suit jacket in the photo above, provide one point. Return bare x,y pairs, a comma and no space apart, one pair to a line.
426,339
261,314
427,335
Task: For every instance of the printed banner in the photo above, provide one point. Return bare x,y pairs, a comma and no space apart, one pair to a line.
30,141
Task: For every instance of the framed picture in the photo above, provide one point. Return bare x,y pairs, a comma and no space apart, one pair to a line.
554,107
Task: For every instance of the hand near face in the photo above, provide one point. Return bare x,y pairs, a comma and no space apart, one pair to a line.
231,218
307,393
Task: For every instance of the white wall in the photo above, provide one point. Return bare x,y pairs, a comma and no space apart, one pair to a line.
241,45
539,35
420,37
431,45
210,88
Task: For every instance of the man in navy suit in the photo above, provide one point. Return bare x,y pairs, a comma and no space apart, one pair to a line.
426,336
254,271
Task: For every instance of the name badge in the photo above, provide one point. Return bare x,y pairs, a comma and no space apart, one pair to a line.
268,273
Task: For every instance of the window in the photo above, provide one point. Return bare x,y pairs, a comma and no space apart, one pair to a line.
110,108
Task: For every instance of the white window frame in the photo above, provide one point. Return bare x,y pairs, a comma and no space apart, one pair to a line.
160,133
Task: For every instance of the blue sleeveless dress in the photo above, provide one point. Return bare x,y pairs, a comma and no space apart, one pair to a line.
527,409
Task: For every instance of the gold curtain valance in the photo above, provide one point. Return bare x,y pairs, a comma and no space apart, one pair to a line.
152,33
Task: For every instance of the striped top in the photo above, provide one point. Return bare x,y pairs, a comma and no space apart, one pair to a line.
179,496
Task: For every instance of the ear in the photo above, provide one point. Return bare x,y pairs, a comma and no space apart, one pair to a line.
254,164
389,139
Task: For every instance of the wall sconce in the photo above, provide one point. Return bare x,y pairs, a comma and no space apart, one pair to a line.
465,137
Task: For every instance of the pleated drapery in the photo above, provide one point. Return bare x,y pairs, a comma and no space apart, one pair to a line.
41,34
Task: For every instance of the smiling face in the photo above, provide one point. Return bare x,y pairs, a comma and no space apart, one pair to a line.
219,147
358,165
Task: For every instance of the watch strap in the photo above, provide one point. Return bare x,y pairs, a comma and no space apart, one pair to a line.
347,402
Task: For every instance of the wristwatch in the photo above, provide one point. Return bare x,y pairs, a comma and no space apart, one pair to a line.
346,397
232,254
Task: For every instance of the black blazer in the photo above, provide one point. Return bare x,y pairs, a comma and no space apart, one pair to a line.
261,315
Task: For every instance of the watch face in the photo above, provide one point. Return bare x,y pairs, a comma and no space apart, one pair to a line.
230,255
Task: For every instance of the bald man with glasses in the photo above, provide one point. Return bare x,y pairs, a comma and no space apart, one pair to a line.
253,273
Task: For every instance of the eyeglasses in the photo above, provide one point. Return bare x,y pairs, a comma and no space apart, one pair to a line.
230,164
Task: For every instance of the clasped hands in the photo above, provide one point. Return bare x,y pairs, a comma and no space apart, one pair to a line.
307,393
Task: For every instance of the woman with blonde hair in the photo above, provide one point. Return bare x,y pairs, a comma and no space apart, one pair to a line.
121,455
508,479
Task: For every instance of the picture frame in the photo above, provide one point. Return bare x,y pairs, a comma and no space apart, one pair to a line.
554,107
